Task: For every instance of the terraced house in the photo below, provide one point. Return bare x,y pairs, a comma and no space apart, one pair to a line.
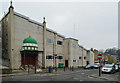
27,42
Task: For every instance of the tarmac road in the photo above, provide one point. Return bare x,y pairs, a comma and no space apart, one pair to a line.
76,75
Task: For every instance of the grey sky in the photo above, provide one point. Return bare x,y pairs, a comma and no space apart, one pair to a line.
96,23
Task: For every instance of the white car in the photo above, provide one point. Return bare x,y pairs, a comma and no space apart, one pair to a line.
96,65
116,68
108,68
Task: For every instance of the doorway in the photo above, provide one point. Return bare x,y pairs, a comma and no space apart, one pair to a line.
66,63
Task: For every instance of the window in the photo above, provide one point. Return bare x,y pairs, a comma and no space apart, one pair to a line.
84,57
80,57
6,21
0,27
59,57
38,29
49,41
49,57
74,60
59,42
3,24
0,39
74,46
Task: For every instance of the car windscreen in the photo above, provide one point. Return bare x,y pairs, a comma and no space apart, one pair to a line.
95,64
89,65
107,66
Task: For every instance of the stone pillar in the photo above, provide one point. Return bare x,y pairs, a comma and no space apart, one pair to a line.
11,36
44,43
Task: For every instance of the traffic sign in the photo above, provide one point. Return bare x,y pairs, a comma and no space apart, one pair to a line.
55,56
99,56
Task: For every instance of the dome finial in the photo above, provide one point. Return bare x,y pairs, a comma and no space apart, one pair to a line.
43,19
10,2
29,35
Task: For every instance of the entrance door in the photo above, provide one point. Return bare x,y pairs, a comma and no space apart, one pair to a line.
66,63
28,60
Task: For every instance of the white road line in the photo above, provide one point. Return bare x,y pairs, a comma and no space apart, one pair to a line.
90,77
77,71
87,70
75,78
82,73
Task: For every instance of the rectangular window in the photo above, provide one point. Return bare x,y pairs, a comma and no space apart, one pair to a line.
38,29
84,57
0,27
80,57
59,57
49,57
0,39
3,24
74,46
6,22
59,42
74,60
50,41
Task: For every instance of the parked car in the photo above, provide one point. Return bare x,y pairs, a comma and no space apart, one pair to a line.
96,66
116,68
89,66
118,65
108,68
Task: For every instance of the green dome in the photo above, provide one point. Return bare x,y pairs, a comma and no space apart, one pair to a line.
30,40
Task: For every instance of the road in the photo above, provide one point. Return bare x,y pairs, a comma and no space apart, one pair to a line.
76,75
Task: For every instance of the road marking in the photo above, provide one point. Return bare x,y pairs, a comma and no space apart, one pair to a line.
75,78
82,73
81,80
77,71
87,70
90,77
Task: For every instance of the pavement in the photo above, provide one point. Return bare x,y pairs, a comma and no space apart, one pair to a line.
19,73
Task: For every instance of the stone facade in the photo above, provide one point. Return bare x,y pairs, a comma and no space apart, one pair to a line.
96,55
0,44
17,27
74,53
90,57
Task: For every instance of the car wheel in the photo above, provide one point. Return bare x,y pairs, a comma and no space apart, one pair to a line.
111,72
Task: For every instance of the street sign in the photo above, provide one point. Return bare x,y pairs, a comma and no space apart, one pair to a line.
99,56
55,56
39,70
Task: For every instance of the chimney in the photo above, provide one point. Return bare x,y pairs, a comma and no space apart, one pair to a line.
91,49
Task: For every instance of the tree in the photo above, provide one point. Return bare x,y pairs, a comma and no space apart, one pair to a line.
101,51
111,51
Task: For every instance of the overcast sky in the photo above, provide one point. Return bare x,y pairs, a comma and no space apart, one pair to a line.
94,24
